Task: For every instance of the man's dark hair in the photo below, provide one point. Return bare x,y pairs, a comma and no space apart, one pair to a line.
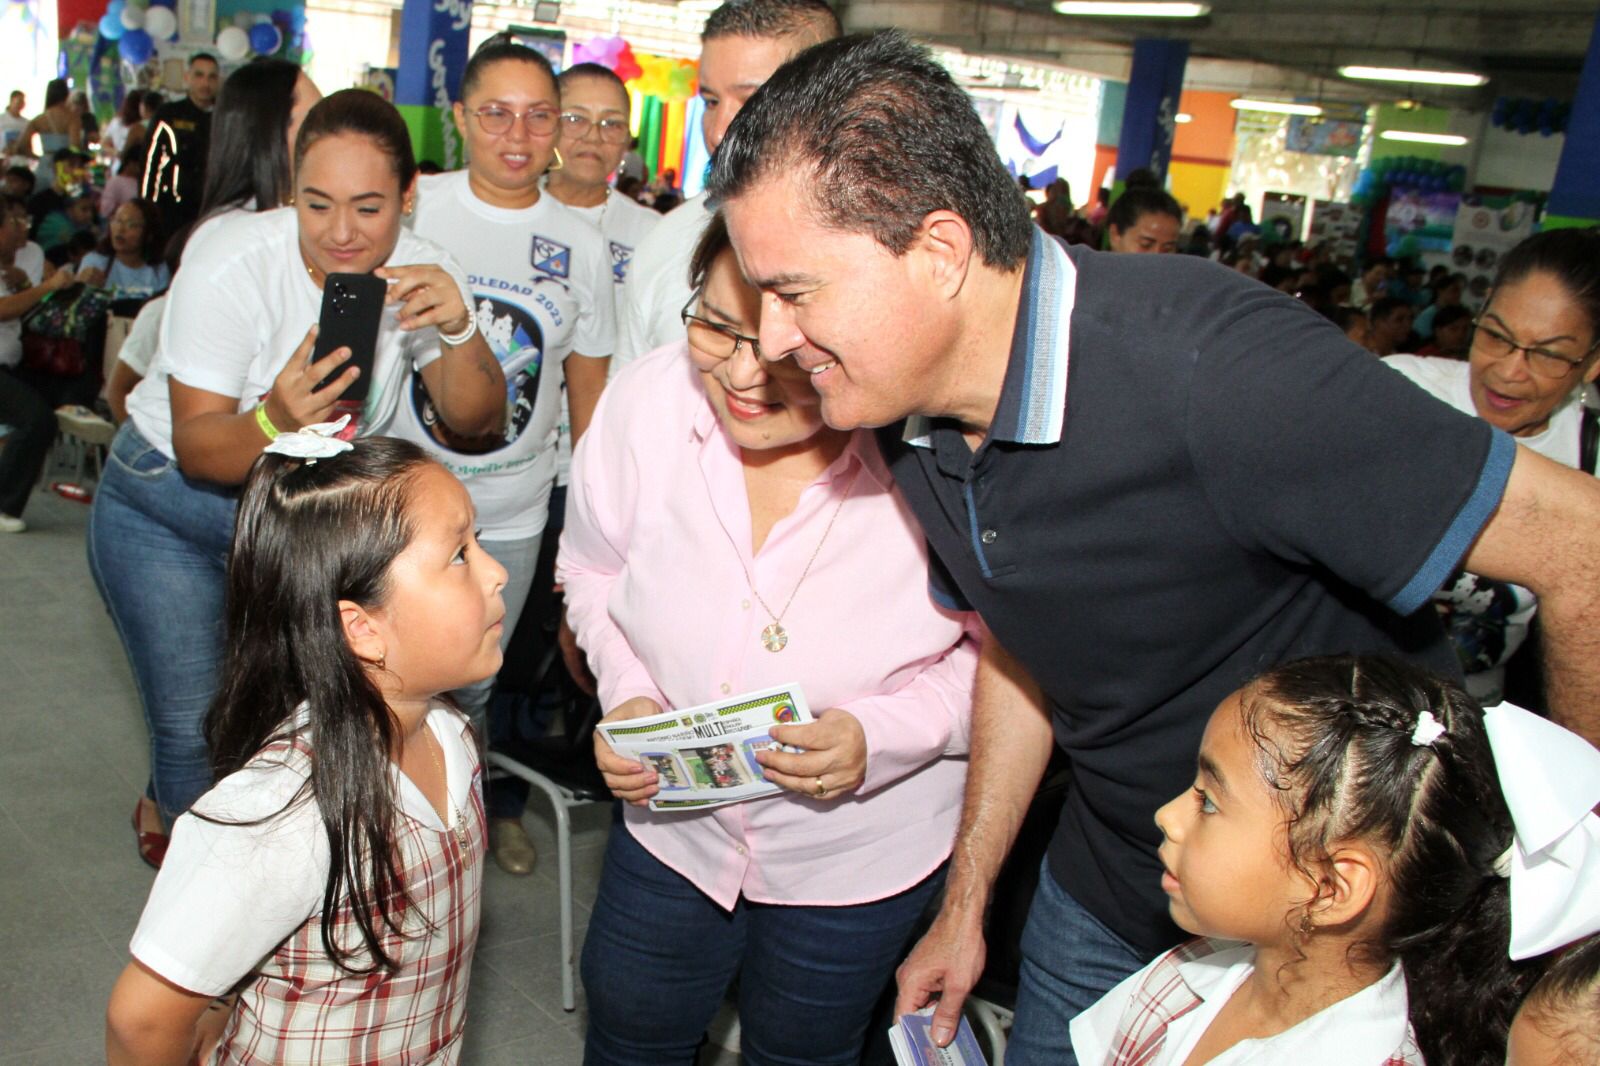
1138,201
1447,316
1385,306
880,135
205,57
772,18
19,171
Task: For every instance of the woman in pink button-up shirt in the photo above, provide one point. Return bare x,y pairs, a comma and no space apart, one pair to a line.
709,503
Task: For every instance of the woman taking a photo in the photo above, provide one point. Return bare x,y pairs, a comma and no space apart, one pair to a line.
545,325
233,371
1534,350
721,539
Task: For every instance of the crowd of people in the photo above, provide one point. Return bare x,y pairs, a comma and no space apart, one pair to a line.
863,418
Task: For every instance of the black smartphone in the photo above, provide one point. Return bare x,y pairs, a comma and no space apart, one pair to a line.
352,309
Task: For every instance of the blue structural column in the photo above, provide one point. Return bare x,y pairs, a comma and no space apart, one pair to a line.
433,55
1150,114
1575,195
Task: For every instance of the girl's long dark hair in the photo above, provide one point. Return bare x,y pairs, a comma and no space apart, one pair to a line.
307,535
150,242
1335,738
247,162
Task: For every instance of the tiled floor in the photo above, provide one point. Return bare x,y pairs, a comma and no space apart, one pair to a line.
72,763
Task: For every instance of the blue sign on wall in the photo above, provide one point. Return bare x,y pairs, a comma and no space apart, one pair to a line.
433,56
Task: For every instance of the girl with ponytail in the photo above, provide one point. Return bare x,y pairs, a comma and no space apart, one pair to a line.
1345,856
331,877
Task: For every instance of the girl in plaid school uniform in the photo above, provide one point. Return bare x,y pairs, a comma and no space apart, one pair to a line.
1344,857
331,877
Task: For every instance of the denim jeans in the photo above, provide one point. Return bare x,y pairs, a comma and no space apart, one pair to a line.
1069,960
518,557
660,954
158,547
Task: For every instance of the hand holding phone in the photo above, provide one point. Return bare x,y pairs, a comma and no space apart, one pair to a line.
352,310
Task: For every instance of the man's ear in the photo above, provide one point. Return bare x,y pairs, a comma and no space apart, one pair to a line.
1349,885
362,634
945,241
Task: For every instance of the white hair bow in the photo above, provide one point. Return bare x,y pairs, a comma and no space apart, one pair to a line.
317,441
1550,778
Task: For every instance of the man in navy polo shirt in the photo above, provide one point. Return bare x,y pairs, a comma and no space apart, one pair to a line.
1151,476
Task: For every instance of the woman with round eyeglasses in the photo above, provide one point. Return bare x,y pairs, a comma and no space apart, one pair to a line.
1535,349
594,138
541,284
722,539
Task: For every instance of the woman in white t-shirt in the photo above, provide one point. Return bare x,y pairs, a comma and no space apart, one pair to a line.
233,369
1533,355
541,283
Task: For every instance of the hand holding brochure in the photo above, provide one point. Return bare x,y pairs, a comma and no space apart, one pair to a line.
912,1040
705,756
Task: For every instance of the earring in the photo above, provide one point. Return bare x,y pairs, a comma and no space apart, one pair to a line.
558,164
1307,926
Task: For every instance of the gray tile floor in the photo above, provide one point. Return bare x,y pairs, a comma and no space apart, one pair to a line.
72,764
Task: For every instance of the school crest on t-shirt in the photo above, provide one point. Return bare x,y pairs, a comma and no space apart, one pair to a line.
516,340
621,256
551,257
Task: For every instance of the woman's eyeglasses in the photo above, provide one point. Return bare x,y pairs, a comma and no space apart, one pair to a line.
612,130
715,339
1541,361
539,121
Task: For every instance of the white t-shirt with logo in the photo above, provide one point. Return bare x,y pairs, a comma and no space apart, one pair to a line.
1488,620
242,304
541,279
658,283
30,260
624,222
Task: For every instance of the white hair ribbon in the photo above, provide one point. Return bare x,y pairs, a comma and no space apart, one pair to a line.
1428,730
313,442
1550,778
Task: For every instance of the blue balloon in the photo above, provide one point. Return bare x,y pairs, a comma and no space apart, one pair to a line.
114,8
136,47
265,38
111,27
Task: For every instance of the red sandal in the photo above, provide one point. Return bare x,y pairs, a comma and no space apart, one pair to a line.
152,845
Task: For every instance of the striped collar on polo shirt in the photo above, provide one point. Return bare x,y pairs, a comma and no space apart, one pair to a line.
1033,399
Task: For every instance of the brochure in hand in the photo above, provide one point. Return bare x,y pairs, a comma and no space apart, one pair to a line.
705,756
912,1040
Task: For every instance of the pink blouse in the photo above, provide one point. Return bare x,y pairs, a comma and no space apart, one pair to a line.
658,524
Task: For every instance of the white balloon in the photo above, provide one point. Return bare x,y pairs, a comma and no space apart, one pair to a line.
233,43
132,18
160,23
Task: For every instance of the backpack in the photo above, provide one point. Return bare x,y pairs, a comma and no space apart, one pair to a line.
57,333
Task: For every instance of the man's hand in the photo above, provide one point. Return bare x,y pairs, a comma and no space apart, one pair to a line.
943,967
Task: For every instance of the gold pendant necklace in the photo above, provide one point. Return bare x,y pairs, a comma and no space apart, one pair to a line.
774,637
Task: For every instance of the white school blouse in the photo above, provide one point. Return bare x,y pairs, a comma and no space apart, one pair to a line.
1157,1016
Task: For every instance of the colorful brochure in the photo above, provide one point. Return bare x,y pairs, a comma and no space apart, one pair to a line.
705,756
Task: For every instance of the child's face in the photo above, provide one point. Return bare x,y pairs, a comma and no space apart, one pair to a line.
1225,847
442,621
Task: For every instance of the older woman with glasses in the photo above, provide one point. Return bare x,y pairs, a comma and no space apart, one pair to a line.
1534,351
722,539
541,286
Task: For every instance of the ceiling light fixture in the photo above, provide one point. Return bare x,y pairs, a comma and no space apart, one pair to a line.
1276,107
1144,9
1453,140
1459,78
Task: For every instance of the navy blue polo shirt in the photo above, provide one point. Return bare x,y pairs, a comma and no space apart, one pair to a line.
1189,478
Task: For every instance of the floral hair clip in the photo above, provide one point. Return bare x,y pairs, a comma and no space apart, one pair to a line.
1428,730
313,442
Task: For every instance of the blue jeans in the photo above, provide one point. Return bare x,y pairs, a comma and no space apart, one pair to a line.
158,548
1069,960
660,954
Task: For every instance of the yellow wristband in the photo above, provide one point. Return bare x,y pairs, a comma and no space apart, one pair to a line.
265,423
